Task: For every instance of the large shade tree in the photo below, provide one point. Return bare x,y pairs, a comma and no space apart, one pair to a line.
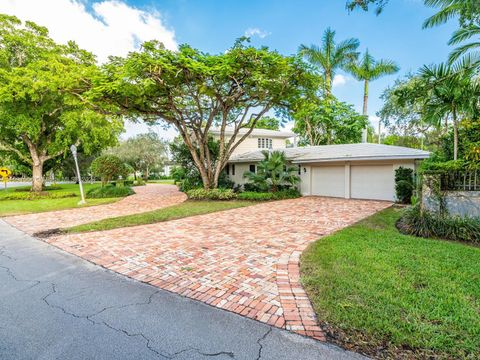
195,91
330,56
368,69
41,88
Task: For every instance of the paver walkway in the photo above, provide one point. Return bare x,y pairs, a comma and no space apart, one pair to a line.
146,198
243,260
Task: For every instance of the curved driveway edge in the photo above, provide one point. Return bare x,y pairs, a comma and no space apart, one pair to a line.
146,198
242,260
57,306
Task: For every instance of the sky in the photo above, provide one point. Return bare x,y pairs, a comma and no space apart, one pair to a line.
115,27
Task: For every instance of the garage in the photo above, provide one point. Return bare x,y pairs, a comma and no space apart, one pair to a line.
328,181
372,182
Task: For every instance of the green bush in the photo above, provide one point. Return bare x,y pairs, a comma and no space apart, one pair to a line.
213,194
265,196
27,195
139,182
404,185
432,225
109,191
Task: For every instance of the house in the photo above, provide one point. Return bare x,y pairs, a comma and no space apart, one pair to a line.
357,171
258,139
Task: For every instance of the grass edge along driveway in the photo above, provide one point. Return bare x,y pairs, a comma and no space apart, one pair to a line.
390,295
185,209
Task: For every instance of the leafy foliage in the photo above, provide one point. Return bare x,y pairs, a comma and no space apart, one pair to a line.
433,225
109,167
42,97
109,191
265,196
273,172
326,121
211,194
404,185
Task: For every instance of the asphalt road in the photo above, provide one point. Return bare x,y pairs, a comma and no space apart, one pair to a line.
54,305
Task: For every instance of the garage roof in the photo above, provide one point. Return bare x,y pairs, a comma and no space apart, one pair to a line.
344,152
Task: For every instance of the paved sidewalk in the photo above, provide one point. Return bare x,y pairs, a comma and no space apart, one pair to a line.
146,198
243,260
56,306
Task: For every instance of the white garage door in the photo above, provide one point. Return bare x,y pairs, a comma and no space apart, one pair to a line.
328,181
372,182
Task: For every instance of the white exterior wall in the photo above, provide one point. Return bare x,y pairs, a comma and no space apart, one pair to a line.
251,144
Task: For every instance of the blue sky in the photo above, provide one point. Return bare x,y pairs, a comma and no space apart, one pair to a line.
397,34
108,27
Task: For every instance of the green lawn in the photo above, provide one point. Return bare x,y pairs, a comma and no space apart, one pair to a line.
164,181
387,294
185,209
16,207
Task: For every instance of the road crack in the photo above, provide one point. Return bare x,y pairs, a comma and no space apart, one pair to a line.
259,342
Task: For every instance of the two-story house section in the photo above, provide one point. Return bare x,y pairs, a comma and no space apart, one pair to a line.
259,139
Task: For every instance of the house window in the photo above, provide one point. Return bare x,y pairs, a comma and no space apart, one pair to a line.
299,170
233,169
264,143
252,168
227,169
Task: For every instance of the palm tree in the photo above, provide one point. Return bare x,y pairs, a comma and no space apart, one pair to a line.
469,13
452,94
368,69
330,56
273,172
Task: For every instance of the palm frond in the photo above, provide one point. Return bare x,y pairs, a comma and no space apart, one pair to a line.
462,50
449,9
463,34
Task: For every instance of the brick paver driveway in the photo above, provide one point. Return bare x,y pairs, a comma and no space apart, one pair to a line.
146,198
242,260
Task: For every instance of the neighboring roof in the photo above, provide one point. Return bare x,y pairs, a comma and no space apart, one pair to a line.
329,153
257,132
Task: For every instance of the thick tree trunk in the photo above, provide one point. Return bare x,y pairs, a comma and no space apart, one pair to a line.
37,178
328,83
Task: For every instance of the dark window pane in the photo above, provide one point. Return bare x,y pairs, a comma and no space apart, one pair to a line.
233,169
252,168
227,169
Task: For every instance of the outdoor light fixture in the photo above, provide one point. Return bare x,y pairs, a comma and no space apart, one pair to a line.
73,149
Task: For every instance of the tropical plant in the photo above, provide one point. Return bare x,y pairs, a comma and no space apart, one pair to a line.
109,167
368,69
404,185
273,172
330,56
42,98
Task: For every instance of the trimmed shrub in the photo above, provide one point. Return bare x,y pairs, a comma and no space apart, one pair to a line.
27,195
109,191
432,225
212,194
265,196
139,182
404,185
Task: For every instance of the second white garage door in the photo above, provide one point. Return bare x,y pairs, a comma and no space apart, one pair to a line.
328,181
372,182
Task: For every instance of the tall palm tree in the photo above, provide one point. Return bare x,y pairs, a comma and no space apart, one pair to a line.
368,69
330,56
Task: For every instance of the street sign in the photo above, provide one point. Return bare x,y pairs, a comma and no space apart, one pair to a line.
5,173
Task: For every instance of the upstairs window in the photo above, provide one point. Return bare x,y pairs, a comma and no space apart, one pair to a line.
264,143
252,168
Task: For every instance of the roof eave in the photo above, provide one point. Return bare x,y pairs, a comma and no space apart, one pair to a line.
364,158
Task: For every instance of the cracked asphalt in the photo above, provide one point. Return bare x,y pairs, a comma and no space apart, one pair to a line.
57,306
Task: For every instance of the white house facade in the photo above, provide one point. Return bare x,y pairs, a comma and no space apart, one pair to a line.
351,171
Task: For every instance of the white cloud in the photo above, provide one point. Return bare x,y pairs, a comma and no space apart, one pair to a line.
250,32
340,80
111,28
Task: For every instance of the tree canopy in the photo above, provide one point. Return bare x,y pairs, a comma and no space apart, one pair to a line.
41,104
195,91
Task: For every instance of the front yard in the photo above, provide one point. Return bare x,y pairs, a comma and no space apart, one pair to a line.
395,296
19,200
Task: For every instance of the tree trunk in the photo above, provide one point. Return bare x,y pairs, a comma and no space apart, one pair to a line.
37,178
328,83
365,111
455,135
379,131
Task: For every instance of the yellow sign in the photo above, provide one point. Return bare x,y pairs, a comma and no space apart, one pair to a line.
5,173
